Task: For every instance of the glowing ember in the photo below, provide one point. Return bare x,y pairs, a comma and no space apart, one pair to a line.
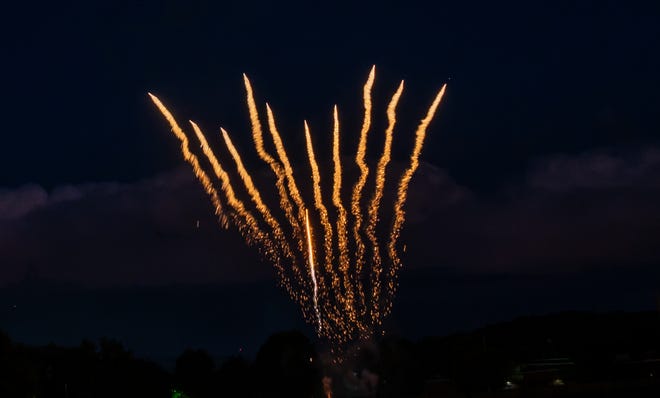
342,303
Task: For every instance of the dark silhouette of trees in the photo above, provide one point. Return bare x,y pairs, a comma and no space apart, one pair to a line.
18,375
53,371
399,369
286,366
194,373
235,376
618,350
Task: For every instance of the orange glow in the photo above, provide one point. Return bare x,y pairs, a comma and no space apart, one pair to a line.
376,262
332,295
280,178
312,269
359,185
342,233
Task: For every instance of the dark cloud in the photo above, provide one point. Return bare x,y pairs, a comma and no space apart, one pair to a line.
598,170
21,201
155,231
596,209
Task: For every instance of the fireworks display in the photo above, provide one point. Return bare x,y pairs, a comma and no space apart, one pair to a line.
340,279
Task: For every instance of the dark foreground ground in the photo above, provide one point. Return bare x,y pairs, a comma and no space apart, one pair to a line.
576,354
628,388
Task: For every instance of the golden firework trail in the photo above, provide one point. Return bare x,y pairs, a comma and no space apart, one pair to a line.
293,188
332,296
359,185
257,135
376,262
332,317
284,158
312,270
323,212
245,218
192,160
334,278
402,195
342,233
257,132
280,176
277,233
256,196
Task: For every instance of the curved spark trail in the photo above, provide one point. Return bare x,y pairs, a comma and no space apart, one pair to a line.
402,194
192,160
342,233
376,266
332,296
285,202
318,202
288,170
245,217
257,135
325,220
256,196
359,185
265,212
333,313
257,132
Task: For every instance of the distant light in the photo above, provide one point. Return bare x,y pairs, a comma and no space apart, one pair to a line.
197,223
558,382
178,394
310,359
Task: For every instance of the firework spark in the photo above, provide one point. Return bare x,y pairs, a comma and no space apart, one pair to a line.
280,176
242,217
192,159
376,266
359,185
332,296
342,233
312,270
318,203
402,195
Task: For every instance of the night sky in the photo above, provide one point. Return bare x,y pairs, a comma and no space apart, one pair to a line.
539,189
